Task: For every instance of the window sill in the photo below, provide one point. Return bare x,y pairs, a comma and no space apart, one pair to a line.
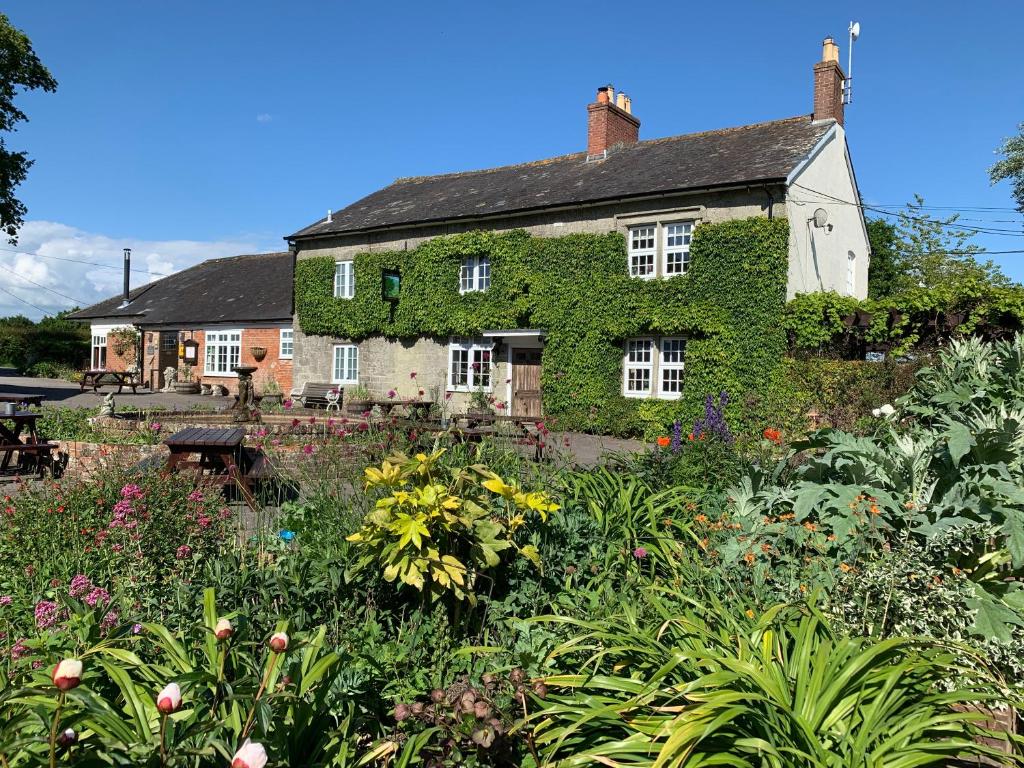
651,396
467,390
345,383
228,375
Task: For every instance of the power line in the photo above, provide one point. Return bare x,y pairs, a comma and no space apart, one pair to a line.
955,225
46,288
18,298
79,261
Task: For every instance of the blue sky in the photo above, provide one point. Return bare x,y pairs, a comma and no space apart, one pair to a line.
200,128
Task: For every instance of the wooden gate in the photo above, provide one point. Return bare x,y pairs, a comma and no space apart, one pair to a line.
526,395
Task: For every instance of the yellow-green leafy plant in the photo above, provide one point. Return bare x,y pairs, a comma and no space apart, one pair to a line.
437,529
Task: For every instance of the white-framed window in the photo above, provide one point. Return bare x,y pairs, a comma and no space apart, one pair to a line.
475,274
638,369
642,252
469,365
223,352
169,341
287,344
670,367
345,366
653,367
677,248
851,274
99,350
344,279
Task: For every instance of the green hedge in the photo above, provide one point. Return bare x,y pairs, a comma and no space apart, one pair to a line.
577,288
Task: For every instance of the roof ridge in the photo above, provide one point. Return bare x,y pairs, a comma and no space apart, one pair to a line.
574,155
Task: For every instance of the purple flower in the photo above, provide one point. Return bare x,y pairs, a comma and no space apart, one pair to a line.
110,619
677,437
136,629
639,553
5,599
19,649
46,614
714,423
287,404
392,394
97,595
307,449
80,584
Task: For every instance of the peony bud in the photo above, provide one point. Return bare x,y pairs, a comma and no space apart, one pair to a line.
169,699
279,642
250,755
417,708
482,710
67,738
540,689
401,712
437,695
67,674
516,675
223,630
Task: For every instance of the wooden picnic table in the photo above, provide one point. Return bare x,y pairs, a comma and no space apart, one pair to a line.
18,398
222,458
526,429
417,408
11,440
94,379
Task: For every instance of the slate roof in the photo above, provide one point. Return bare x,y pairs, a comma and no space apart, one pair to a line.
237,289
764,152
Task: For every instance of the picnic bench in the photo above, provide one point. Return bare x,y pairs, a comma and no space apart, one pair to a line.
218,457
418,409
95,379
28,449
19,398
524,430
319,395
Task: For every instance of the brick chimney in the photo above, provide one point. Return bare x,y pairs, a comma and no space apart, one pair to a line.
828,84
609,124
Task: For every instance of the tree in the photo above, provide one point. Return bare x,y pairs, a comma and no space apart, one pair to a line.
20,68
931,253
884,273
1011,167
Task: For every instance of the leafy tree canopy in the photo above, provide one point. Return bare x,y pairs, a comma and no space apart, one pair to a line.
20,68
919,250
1011,167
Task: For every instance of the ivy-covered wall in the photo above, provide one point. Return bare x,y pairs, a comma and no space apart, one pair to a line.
577,289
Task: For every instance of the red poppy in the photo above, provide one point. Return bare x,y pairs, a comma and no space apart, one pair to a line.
773,435
663,442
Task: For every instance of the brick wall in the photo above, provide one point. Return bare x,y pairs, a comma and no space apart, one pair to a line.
607,125
271,367
828,91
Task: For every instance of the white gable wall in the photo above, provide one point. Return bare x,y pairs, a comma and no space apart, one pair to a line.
820,257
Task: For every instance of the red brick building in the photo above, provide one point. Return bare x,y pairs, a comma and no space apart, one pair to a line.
237,309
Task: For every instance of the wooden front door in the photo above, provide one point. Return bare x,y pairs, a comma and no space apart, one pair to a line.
526,396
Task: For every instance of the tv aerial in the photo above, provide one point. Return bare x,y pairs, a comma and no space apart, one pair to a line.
848,84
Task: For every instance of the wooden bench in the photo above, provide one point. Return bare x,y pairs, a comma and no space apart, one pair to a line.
95,379
314,395
42,451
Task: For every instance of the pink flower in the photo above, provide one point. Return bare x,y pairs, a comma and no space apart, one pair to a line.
392,394
47,613
287,403
131,491
67,674
639,553
278,642
196,495
500,406
251,755
110,619
5,599
183,552
97,595
156,426
307,449
18,650
169,699
412,375
295,422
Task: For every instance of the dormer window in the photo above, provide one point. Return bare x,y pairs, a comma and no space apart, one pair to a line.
475,274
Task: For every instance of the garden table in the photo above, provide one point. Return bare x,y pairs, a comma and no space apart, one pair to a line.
222,459
18,398
11,428
94,379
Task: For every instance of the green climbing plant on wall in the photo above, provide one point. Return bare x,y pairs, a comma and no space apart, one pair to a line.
730,306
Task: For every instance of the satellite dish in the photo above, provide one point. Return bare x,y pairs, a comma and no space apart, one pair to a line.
820,218
854,30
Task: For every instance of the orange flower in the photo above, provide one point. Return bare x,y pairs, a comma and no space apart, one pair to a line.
803,589
766,548
810,526
750,614
845,568
690,437
831,537
773,435
701,518
875,510
750,557
663,442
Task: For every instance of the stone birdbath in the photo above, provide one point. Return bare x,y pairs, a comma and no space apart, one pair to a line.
245,404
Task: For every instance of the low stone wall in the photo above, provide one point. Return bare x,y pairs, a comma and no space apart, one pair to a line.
298,422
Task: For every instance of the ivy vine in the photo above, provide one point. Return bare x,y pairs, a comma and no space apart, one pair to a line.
730,306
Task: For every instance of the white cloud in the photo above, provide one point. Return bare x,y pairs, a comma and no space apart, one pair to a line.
44,248
264,117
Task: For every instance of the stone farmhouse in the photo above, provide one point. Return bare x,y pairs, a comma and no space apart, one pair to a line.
654,192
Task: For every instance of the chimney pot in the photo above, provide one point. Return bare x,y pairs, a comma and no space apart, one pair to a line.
609,125
829,50
620,101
